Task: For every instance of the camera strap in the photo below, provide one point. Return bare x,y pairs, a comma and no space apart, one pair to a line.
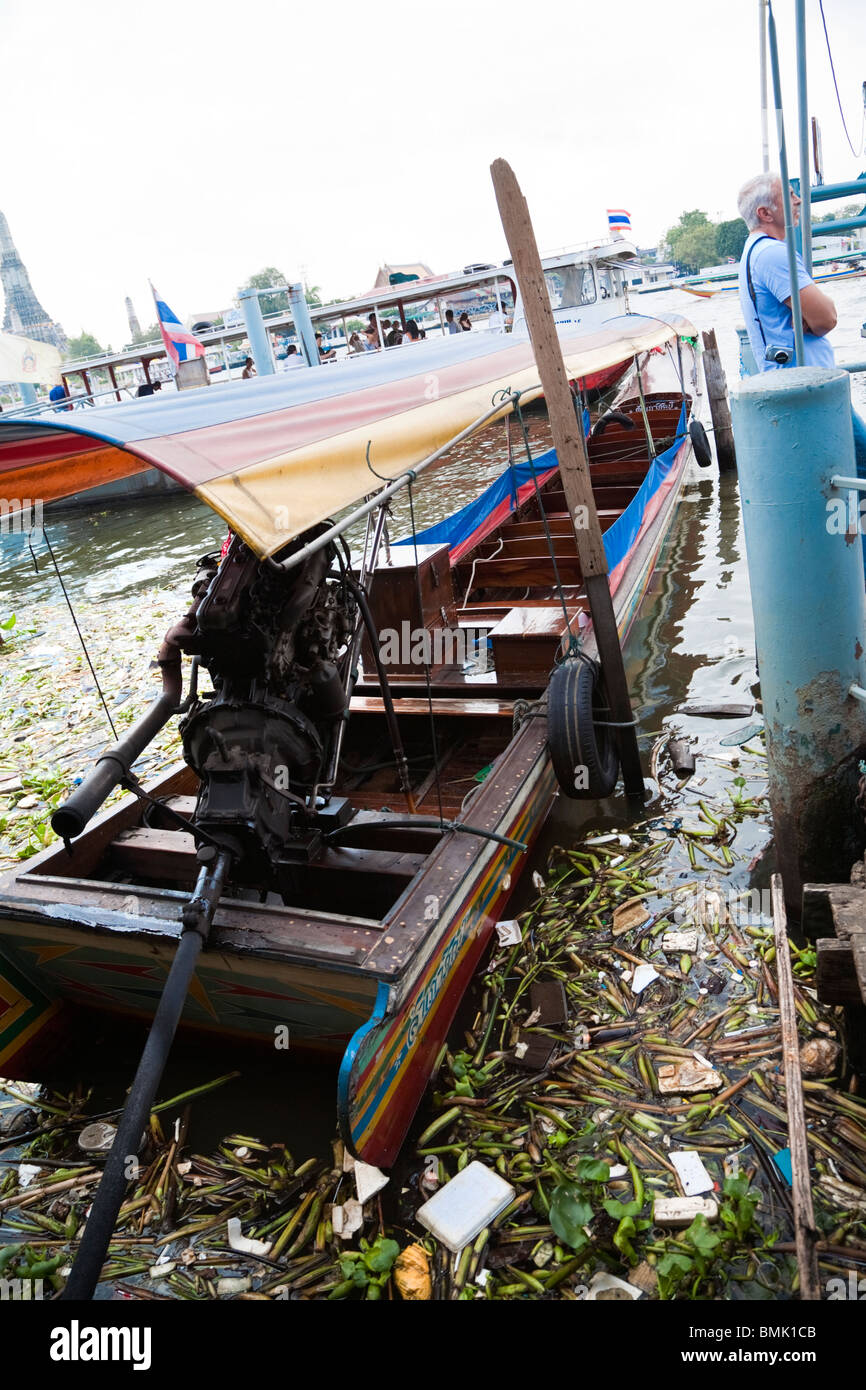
751,287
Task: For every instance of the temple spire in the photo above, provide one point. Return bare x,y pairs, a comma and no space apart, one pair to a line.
23,313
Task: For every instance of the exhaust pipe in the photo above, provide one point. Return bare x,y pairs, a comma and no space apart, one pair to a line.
113,766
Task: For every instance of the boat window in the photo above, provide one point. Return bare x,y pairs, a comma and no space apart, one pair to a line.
570,286
604,284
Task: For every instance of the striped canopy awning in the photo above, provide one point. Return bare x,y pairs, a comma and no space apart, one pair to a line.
278,454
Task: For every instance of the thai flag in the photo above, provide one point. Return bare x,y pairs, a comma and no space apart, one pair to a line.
618,220
180,345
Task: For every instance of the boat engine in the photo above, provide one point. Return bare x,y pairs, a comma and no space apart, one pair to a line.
275,644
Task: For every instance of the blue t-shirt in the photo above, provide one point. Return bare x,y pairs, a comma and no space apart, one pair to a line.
771,282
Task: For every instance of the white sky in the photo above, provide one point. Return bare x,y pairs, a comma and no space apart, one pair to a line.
195,143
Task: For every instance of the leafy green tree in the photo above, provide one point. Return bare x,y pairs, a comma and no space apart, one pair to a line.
842,214
146,335
313,295
731,238
263,280
692,241
85,345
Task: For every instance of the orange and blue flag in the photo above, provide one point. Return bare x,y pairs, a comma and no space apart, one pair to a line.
180,344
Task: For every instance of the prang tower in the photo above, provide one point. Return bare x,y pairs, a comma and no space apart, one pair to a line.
24,314
132,317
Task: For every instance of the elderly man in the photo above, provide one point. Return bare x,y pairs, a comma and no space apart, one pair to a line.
765,292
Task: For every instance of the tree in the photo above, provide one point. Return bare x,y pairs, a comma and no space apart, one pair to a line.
263,280
731,238
85,345
313,295
841,214
692,241
146,335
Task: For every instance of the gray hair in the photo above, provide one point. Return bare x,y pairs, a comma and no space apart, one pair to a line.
760,192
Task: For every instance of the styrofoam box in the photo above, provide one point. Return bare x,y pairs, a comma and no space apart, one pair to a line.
461,1209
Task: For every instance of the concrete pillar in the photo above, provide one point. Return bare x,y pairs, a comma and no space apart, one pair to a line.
793,434
300,311
260,343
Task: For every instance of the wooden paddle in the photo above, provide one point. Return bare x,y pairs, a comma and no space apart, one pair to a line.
568,437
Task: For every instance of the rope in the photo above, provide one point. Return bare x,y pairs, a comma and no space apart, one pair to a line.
80,633
856,153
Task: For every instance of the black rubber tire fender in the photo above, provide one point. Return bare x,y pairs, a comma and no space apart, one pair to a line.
611,417
583,751
700,444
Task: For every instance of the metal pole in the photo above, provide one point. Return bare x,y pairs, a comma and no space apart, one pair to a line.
803,119
794,279
260,343
499,310
304,324
28,392
765,127
793,434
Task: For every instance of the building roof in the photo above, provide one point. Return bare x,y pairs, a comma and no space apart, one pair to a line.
383,275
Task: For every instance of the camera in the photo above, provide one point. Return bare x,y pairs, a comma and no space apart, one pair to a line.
780,355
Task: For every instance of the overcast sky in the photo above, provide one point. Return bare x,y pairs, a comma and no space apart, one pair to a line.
195,143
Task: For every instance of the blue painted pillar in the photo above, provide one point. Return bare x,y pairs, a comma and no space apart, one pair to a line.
260,343
28,392
793,433
300,311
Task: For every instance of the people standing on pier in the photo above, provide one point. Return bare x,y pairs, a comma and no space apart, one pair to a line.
249,369
326,354
765,292
465,322
450,325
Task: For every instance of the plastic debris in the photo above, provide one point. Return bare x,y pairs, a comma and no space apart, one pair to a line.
509,933
412,1274
717,711
97,1138
782,1160
691,1172
644,1278
26,1173
818,1057
368,1181
347,1219
628,916
681,1211
689,1075
675,942
241,1243
229,1288
643,976
465,1205
741,736
604,1288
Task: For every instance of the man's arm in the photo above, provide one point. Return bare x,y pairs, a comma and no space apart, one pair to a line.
819,311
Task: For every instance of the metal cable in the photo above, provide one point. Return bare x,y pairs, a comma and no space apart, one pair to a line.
855,152
80,633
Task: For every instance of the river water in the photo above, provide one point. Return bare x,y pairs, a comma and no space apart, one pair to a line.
127,568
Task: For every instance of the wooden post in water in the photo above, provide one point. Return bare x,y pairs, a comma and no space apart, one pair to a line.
717,390
570,444
805,1233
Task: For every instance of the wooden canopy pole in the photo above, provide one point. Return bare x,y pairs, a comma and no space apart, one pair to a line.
570,444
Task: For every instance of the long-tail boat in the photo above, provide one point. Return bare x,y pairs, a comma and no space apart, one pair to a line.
372,738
